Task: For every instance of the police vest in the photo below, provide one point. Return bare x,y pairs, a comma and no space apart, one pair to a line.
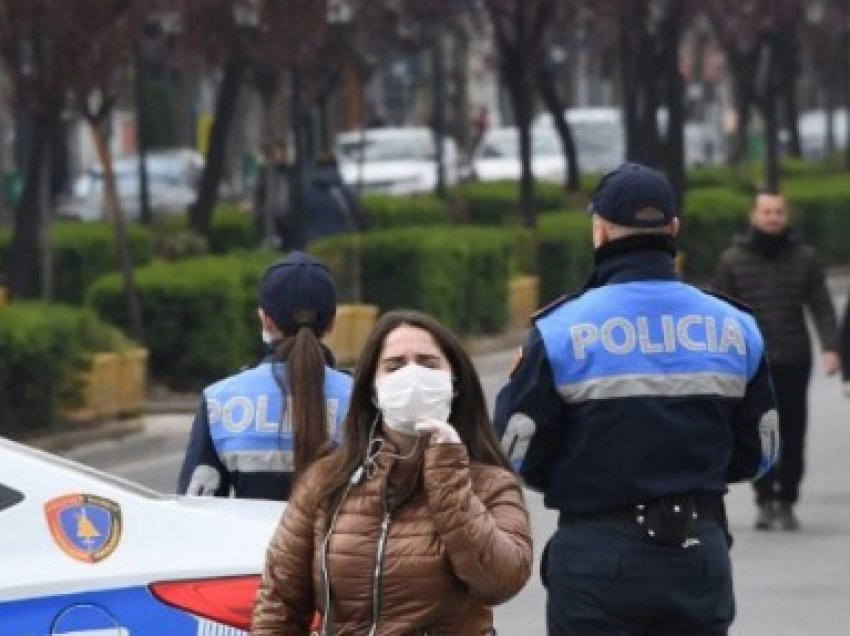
649,371
249,425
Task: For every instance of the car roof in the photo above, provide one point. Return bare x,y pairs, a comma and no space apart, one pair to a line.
385,133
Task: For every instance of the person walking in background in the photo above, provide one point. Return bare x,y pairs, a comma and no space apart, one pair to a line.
416,525
773,272
272,195
631,407
330,206
256,431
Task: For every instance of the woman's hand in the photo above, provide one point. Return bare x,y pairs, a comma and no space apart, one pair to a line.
441,432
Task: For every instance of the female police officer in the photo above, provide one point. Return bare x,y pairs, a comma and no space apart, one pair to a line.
256,430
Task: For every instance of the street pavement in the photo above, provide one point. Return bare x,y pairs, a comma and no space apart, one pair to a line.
787,583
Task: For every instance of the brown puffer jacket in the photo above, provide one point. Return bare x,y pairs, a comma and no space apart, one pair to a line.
777,288
452,550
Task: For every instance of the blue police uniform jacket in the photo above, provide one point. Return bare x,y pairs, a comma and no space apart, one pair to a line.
639,388
242,440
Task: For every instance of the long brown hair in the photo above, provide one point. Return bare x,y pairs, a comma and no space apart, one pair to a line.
469,408
303,394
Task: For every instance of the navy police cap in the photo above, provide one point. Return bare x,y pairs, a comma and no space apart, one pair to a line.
634,195
298,292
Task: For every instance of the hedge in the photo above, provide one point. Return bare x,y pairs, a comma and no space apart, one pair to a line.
388,212
821,210
496,203
232,229
82,252
45,347
194,311
712,217
460,275
564,253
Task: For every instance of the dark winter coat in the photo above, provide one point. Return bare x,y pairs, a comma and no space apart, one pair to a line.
777,277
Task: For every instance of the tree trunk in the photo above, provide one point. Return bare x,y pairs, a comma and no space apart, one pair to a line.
142,130
125,258
674,98
23,262
439,112
520,95
297,239
787,84
552,101
845,66
45,221
200,213
743,105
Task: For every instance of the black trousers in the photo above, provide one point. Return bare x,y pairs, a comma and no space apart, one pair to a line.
605,578
782,482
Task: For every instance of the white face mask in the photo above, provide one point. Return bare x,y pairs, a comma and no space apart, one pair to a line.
414,393
268,338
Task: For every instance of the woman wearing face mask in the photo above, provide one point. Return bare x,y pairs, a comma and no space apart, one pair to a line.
244,441
415,525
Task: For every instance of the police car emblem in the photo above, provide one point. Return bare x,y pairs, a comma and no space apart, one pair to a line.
85,527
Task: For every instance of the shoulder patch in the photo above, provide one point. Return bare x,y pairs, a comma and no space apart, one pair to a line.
561,300
729,299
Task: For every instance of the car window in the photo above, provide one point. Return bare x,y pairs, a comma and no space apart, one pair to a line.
543,143
387,149
9,497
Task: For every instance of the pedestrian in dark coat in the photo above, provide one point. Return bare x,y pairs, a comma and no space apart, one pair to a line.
770,269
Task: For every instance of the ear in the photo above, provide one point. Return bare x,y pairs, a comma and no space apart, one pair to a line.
266,322
674,227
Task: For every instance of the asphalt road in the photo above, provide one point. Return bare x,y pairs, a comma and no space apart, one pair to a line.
787,584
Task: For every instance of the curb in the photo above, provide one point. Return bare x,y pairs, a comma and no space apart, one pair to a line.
104,431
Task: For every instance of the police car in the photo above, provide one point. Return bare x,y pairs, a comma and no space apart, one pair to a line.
84,553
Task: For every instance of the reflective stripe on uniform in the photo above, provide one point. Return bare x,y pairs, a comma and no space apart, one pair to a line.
655,385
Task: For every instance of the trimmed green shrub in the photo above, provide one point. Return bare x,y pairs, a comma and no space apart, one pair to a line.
712,217
564,253
232,229
388,212
496,203
460,275
45,347
821,210
84,251
194,313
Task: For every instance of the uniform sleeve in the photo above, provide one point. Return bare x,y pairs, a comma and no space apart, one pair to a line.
820,304
202,472
486,533
286,600
755,429
528,415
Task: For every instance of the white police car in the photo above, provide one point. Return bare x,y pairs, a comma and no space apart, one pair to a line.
83,553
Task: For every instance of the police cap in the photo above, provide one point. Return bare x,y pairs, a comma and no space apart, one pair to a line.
634,195
298,292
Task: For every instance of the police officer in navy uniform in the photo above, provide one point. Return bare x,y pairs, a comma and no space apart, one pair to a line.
255,431
631,408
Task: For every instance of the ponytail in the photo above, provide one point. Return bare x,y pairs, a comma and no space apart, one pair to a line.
305,388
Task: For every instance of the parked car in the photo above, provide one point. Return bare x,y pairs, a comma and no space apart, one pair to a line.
812,126
172,185
496,157
394,160
87,553
599,136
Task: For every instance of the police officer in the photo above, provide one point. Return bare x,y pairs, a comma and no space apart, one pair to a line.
631,407
255,431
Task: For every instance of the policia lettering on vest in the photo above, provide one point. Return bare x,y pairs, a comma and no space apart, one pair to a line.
255,430
632,407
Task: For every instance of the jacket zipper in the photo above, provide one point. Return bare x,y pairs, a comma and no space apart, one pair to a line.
379,566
